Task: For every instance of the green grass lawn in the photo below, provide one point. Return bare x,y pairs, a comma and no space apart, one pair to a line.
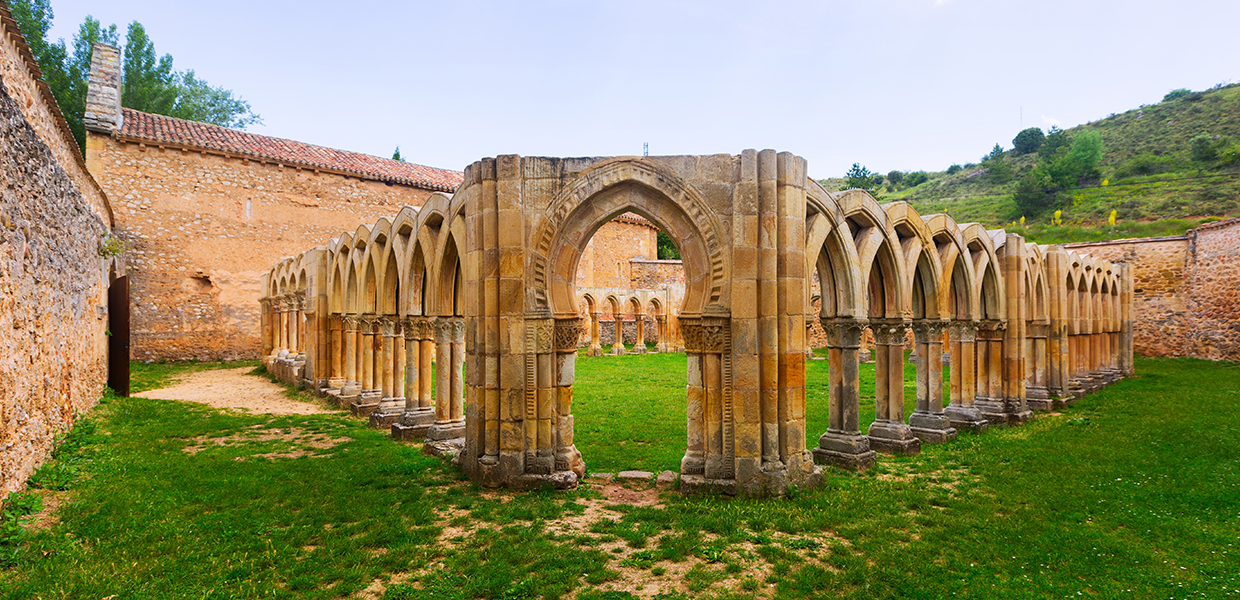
1132,493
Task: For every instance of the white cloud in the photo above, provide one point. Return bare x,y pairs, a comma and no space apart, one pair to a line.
1052,121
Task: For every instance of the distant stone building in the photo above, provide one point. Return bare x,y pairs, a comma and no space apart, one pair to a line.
205,209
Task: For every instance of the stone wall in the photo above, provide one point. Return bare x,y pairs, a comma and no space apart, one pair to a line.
606,261
53,281
203,229
1186,290
653,274
1214,291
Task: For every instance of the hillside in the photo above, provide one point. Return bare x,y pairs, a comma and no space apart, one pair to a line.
1148,173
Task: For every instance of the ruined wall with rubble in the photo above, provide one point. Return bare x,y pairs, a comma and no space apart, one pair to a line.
204,227
53,281
1186,290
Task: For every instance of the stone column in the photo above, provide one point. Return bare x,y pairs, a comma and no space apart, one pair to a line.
449,402
337,354
962,413
284,310
567,333
385,371
990,402
661,331
353,383
299,325
843,445
596,347
889,432
419,413
618,347
640,322
369,387
928,422
265,329
1037,391
694,461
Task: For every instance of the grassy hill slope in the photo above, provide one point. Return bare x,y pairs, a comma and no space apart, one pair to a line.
1148,175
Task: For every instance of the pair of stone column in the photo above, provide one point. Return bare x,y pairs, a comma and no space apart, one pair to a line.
450,397
419,410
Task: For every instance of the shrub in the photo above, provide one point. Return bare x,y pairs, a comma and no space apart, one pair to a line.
1177,94
1028,141
1201,148
895,177
1056,140
1143,164
1035,193
916,178
952,170
1229,155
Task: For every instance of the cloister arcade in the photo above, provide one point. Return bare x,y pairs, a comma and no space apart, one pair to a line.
480,285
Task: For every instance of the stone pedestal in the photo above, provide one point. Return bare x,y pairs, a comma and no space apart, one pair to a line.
414,424
931,428
850,452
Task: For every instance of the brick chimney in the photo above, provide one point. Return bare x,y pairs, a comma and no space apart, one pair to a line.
103,95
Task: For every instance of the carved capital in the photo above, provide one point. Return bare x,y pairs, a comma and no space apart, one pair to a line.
443,330
351,322
962,331
387,324
929,331
844,333
711,335
567,334
888,332
458,330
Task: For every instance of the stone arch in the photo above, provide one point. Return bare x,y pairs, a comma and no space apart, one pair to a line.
921,260
831,252
956,280
882,265
610,189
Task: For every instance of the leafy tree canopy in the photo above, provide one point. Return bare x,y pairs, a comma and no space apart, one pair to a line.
665,248
861,178
396,155
149,82
1028,140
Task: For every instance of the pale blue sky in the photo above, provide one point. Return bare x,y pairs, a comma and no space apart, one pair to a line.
893,84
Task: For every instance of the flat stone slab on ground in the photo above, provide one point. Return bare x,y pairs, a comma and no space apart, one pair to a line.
635,475
666,479
603,476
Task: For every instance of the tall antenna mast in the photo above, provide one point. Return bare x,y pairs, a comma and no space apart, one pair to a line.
645,148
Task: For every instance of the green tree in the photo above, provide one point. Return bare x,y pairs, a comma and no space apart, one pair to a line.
665,248
1056,140
895,177
396,155
952,170
149,82
859,177
1028,140
916,178
1035,192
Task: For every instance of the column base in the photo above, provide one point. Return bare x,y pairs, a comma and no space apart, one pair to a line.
389,411
366,403
446,430
699,484
965,418
849,452
931,428
595,351
893,438
617,350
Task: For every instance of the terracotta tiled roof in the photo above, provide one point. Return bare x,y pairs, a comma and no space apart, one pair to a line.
158,129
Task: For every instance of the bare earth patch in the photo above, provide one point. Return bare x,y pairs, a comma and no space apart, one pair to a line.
302,442
234,389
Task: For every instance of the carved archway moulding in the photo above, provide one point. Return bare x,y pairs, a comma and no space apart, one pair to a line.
672,204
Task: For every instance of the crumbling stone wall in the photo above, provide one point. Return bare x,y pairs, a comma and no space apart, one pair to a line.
1186,292
654,274
53,282
204,227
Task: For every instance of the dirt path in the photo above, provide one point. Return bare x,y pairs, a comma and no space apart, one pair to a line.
234,388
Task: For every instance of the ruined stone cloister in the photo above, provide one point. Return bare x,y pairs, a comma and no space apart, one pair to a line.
482,285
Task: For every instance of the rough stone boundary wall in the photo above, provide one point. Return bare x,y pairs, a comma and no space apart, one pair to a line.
1186,295
53,282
